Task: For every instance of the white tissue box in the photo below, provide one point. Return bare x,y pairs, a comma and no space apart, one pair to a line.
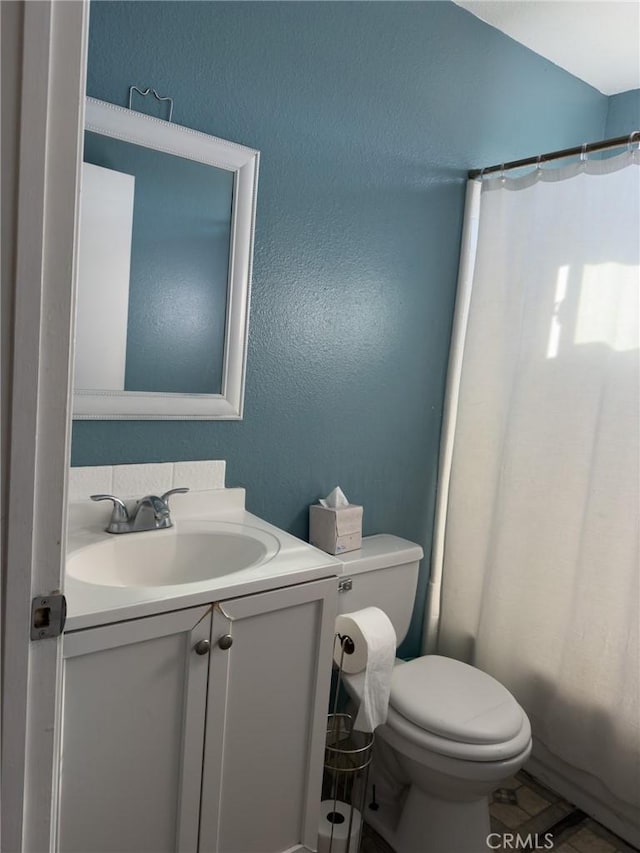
335,529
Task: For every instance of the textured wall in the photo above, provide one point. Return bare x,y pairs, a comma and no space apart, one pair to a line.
367,116
623,115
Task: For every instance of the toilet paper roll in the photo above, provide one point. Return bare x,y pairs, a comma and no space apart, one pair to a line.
372,633
334,817
368,669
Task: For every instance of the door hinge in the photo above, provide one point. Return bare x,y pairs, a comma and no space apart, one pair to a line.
48,615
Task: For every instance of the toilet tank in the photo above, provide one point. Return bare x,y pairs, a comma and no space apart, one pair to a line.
384,574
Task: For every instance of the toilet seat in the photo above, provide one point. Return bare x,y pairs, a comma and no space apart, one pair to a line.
453,709
457,749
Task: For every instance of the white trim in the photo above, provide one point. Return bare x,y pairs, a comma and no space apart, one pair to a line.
450,412
131,126
52,103
150,132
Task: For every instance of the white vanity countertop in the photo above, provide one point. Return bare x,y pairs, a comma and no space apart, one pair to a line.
89,604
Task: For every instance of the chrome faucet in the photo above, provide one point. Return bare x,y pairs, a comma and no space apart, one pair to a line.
149,513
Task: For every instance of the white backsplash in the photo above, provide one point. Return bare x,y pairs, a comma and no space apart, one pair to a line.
134,481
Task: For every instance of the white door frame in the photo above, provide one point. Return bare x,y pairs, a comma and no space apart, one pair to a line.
53,73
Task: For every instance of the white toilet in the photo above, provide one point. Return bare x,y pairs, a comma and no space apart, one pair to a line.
453,733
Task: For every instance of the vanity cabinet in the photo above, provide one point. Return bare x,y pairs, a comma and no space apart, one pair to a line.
200,729
132,735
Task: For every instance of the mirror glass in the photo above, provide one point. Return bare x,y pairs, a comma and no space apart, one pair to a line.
166,239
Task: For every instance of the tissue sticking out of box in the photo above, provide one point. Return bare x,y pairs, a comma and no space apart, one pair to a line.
335,525
335,499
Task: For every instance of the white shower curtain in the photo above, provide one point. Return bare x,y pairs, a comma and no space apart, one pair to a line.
540,545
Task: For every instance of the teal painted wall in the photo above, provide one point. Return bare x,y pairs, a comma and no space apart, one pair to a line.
367,116
623,115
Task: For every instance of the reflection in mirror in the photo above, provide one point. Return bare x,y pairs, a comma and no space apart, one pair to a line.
166,237
179,263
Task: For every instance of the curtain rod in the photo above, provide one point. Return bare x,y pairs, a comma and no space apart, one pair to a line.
587,148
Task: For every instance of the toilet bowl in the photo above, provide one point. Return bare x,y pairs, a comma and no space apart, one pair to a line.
453,732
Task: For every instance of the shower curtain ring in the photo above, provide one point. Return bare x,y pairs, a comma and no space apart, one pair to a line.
630,140
502,174
583,153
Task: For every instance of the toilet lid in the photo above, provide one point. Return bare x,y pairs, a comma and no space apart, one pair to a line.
455,701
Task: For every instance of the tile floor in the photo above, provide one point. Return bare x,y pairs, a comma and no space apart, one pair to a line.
372,843
524,806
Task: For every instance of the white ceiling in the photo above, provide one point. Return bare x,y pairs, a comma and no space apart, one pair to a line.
595,40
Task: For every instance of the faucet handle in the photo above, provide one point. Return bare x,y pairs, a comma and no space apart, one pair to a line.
120,512
180,491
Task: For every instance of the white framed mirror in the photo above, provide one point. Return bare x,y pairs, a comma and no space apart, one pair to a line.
165,255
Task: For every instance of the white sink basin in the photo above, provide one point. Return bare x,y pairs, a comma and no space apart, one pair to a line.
189,552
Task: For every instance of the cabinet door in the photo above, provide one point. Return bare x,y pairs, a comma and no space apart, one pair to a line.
266,720
133,734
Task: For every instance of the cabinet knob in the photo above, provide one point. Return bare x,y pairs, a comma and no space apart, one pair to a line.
225,642
202,647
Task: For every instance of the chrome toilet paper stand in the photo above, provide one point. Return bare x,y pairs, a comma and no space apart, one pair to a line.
347,758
